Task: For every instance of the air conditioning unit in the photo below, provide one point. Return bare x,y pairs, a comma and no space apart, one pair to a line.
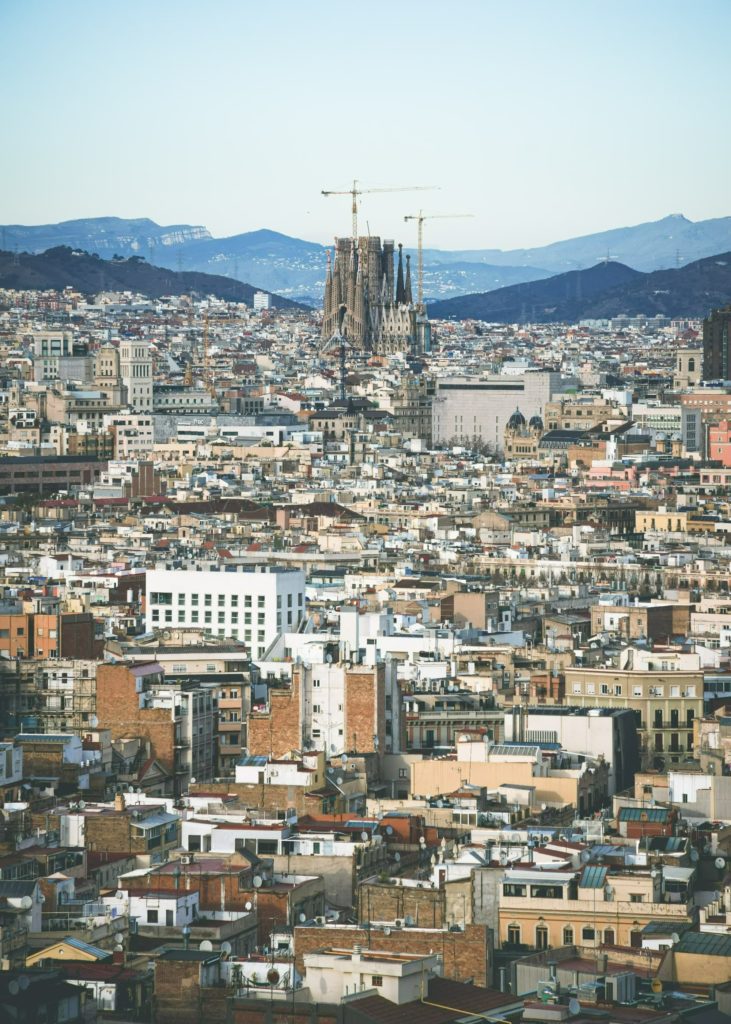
398,922
185,860
320,920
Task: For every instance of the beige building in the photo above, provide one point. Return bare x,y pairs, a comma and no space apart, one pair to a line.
540,909
520,773
666,702
580,413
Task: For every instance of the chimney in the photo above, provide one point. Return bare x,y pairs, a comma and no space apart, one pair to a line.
119,803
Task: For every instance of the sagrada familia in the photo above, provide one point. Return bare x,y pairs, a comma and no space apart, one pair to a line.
364,305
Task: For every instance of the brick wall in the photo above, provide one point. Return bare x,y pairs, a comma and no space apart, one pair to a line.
278,731
465,954
179,998
269,799
382,902
118,709
365,709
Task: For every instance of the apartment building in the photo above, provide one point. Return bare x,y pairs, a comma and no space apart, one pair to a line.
175,720
544,908
666,701
251,604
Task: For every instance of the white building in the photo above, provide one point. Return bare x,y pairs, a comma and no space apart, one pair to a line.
262,301
397,977
135,367
477,409
251,604
133,433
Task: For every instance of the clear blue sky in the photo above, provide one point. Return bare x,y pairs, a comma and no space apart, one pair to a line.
543,118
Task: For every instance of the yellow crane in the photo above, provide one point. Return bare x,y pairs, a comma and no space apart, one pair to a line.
354,192
420,218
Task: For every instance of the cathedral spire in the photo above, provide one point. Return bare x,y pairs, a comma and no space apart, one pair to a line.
407,287
400,293
327,301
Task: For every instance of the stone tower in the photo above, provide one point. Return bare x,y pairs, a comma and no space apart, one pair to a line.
374,312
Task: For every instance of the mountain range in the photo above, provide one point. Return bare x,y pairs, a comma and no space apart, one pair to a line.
605,290
295,268
62,267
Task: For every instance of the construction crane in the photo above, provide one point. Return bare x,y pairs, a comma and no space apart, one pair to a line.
420,218
354,192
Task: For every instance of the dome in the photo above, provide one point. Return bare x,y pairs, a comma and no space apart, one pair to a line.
535,422
516,420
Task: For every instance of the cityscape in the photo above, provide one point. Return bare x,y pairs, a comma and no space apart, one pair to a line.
365,600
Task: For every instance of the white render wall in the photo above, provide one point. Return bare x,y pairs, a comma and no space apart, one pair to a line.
251,606
480,407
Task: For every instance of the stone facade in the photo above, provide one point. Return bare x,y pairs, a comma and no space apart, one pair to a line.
362,302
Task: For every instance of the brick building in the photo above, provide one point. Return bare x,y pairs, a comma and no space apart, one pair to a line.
466,954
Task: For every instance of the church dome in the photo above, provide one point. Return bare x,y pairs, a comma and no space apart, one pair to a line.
517,420
535,422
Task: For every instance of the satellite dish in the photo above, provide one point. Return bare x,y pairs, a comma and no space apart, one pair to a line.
273,976
119,948
339,780
397,857
585,856
256,881
364,836
26,903
408,920
389,830
24,982
206,946
226,948
81,805
574,1006
344,759
303,918
386,931
720,863
193,779
675,938
248,905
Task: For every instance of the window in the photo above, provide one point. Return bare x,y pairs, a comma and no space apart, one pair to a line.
605,688
587,933
514,934
221,618
169,918
577,687
152,916
402,773
207,600
261,619
376,980
234,600
541,937
194,599
511,889
568,935
267,846
247,601
260,602
617,690
194,616
636,897
636,691
590,688
181,598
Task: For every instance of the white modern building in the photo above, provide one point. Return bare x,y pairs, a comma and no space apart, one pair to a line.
262,300
251,604
477,409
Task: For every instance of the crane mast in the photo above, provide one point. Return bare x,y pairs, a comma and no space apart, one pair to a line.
420,218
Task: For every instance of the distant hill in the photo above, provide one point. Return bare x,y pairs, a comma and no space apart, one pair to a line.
295,268
605,290
63,266
656,245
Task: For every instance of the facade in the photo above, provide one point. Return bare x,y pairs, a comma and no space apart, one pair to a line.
477,410
135,368
688,368
364,304
666,702
717,345
253,605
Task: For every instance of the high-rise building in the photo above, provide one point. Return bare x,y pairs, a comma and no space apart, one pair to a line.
135,364
717,345
366,305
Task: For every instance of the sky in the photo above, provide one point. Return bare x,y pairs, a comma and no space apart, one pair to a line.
543,119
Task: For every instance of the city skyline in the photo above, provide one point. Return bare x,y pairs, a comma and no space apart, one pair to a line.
560,123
